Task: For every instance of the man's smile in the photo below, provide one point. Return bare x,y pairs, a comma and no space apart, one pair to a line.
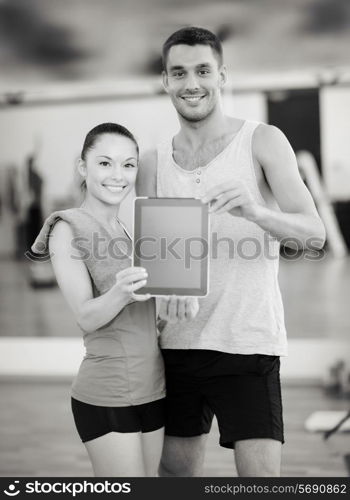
192,98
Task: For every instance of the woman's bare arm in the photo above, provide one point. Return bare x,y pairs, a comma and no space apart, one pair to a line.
74,281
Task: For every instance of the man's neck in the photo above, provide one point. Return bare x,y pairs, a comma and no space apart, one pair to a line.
196,147
193,135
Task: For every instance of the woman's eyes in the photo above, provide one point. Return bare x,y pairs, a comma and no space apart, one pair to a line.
108,164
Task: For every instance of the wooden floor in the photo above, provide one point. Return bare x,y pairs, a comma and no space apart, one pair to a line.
38,438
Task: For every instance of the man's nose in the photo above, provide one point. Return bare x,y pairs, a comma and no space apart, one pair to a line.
192,82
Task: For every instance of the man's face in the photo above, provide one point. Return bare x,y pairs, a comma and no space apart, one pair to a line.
193,80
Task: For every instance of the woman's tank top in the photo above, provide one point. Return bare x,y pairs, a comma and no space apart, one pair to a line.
123,364
243,312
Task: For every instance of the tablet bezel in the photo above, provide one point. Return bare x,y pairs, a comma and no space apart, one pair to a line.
203,290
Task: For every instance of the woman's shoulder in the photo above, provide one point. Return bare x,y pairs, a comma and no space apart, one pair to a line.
68,215
61,228
61,223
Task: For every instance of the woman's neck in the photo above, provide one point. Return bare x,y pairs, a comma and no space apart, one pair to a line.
100,210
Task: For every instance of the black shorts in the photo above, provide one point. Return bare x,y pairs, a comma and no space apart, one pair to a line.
242,391
96,421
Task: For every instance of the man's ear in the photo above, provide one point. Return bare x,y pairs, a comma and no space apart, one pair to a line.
165,80
223,75
81,167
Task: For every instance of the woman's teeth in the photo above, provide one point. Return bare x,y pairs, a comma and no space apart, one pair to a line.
114,189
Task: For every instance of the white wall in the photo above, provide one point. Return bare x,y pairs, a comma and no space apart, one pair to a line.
247,105
308,359
335,140
57,132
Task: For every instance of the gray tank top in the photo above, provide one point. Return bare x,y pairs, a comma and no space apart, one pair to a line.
123,364
243,312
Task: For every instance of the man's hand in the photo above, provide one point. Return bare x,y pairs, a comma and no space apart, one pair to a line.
173,309
233,197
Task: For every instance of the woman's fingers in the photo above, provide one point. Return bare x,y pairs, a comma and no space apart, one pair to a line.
130,271
136,286
132,278
141,298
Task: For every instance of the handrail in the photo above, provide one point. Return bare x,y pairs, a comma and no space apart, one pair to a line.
308,169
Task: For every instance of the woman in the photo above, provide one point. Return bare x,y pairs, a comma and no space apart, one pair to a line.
118,394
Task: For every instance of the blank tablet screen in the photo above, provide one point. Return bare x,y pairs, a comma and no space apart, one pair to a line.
171,242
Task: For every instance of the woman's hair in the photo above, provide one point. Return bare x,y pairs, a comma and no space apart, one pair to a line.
96,132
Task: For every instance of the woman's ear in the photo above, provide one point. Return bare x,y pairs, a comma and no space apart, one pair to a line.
81,167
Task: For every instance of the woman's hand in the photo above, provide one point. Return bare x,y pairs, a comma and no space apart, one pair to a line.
173,309
128,281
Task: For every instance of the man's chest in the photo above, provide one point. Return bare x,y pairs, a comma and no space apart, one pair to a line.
190,159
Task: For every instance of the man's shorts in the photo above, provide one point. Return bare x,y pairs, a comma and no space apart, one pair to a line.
242,391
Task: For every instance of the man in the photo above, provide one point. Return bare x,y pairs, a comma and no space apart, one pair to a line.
226,361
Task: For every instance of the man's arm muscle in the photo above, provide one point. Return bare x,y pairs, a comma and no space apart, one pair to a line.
299,218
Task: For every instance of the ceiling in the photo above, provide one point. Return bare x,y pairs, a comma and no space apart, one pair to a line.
98,40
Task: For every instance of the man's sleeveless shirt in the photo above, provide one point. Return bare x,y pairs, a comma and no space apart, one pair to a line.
243,312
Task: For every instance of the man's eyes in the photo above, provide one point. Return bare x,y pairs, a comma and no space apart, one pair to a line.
181,74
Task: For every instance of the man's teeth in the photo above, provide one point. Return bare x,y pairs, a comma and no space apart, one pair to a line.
193,98
115,189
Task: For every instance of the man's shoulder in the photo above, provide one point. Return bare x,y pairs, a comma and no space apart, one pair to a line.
267,134
267,140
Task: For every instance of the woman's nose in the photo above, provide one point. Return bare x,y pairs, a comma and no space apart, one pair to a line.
117,172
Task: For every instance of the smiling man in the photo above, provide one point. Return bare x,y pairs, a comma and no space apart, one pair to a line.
226,361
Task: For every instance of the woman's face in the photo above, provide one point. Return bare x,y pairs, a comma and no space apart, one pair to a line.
110,168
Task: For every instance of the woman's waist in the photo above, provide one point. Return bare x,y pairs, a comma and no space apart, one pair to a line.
109,343
112,381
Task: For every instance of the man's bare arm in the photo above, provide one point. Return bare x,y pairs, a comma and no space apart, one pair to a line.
146,182
298,218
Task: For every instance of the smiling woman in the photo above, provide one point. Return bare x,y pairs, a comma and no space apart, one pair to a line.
95,154
117,396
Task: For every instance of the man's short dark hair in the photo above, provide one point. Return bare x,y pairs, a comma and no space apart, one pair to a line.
193,36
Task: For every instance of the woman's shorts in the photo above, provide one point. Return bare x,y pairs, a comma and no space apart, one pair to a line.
96,421
242,391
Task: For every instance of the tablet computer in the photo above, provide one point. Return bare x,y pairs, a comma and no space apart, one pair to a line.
171,241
